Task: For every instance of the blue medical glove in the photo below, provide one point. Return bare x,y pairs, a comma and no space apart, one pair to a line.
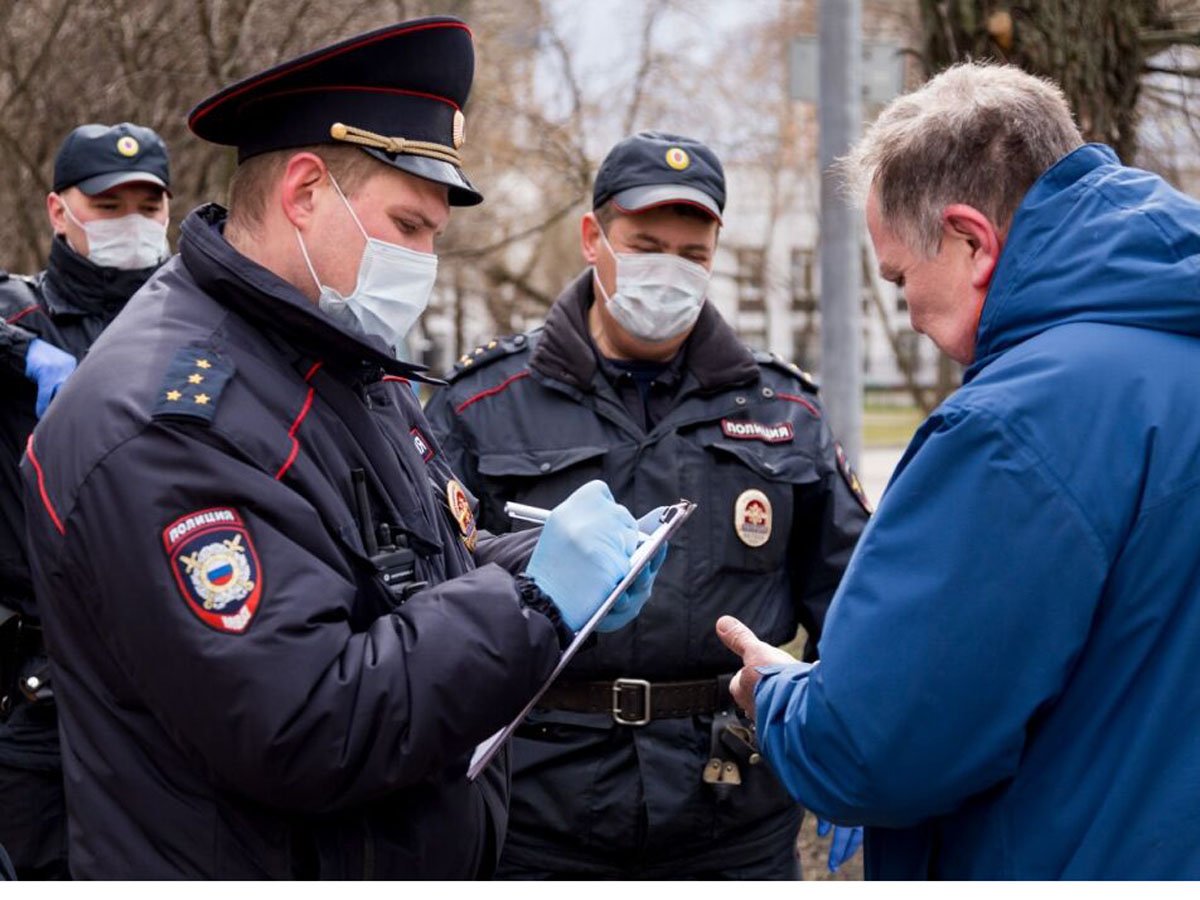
845,843
630,603
583,552
49,367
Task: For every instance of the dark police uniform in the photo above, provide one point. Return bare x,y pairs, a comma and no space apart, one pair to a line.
67,305
675,787
248,687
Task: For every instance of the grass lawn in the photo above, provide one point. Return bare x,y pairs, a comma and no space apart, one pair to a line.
890,426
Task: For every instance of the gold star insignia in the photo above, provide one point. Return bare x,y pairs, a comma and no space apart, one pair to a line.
491,344
173,395
203,364
195,378
201,399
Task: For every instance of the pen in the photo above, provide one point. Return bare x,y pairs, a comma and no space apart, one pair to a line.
524,513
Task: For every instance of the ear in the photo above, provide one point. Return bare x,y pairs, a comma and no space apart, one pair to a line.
589,237
976,231
54,210
302,175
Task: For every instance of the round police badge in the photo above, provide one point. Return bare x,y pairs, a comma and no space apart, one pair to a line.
127,146
678,159
216,567
752,518
460,508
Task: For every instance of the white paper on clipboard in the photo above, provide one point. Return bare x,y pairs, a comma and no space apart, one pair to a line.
672,518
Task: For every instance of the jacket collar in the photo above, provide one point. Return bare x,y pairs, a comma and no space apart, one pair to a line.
713,355
274,305
76,286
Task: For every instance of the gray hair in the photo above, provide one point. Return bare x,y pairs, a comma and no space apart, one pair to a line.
977,134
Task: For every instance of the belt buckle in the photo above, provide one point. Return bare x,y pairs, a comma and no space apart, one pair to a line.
618,688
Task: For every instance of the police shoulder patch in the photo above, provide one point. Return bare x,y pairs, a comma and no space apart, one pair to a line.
775,361
193,383
484,354
216,567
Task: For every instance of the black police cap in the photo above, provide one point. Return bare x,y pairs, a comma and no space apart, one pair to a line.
654,168
397,93
97,158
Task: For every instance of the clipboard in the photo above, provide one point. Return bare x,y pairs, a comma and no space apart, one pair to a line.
672,519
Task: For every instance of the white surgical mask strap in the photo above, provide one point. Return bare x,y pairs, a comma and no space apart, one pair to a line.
337,187
307,261
613,253
67,209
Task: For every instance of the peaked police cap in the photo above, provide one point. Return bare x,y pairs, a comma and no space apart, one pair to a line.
397,93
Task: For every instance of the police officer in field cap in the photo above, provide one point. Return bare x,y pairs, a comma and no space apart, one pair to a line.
636,763
108,210
278,629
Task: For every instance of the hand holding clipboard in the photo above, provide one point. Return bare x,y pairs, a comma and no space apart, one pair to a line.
672,518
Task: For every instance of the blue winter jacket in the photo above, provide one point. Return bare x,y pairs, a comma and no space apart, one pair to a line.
1009,684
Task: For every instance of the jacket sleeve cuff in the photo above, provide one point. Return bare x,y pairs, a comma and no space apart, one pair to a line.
14,346
532,598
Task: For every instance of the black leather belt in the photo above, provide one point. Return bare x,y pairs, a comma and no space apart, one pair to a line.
635,701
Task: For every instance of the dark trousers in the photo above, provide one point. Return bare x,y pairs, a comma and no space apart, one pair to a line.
33,826
781,865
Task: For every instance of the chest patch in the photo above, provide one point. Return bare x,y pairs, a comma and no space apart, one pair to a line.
752,518
738,429
216,567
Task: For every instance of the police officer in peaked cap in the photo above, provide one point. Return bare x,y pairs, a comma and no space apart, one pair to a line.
636,763
277,630
108,210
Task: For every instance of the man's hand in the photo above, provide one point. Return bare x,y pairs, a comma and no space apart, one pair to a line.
49,367
742,641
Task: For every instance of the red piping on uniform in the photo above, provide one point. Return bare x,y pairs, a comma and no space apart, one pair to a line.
387,35
23,313
396,378
812,409
524,373
37,467
287,463
353,87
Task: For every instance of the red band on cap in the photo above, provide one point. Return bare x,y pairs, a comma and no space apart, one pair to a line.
222,98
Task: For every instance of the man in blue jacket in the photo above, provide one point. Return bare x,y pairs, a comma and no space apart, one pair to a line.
1008,684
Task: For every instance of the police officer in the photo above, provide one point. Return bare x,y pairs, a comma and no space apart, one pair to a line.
637,765
273,650
109,210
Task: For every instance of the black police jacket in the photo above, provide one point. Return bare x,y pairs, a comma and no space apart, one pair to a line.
240,694
68,305
531,417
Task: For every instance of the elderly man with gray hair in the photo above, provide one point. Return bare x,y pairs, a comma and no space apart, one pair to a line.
1009,685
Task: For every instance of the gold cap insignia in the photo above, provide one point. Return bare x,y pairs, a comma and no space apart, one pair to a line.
678,159
127,146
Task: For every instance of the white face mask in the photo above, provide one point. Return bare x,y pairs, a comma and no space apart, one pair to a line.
130,242
658,295
393,287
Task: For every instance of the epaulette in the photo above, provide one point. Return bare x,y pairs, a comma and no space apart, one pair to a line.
775,361
495,349
193,383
